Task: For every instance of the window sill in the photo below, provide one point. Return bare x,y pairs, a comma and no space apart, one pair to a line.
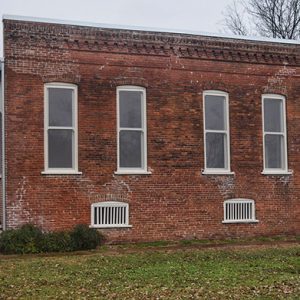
53,172
279,173
132,173
240,222
207,172
110,226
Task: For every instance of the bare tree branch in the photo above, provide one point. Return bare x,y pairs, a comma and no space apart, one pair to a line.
234,20
271,18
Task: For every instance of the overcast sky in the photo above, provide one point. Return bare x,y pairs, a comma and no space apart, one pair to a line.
199,15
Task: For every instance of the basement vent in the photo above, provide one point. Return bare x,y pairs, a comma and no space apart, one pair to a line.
110,214
239,211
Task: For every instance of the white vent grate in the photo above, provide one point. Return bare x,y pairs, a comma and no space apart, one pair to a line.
239,211
110,214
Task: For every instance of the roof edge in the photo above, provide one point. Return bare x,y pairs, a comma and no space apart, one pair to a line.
148,29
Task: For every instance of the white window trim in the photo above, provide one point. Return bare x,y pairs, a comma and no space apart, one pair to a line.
133,171
110,204
60,171
240,200
275,171
217,171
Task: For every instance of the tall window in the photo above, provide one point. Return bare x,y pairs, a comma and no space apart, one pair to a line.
216,132
60,128
274,133
131,110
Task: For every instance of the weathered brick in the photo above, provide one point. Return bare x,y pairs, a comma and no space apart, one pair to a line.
176,201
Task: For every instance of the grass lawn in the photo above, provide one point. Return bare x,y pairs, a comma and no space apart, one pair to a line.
185,273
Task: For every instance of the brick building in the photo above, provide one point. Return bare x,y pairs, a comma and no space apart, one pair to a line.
149,135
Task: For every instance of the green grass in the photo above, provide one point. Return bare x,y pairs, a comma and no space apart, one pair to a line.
240,241
156,244
271,273
207,242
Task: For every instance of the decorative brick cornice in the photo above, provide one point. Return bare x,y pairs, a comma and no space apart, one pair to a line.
83,38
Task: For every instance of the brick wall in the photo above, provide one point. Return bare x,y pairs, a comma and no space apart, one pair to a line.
176,201
1,206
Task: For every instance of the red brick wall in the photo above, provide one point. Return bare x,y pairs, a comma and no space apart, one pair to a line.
1,199
176,201
1,206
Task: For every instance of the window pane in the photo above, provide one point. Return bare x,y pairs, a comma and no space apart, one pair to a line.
216,150
130,149
60,145
130,109
215,112
273,115
274,148
60,107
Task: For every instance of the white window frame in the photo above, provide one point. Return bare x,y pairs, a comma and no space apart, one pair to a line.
143,129
112,204
225,171
59,171
239,201
275,171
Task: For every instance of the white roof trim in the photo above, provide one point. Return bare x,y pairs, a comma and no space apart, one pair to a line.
151,29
